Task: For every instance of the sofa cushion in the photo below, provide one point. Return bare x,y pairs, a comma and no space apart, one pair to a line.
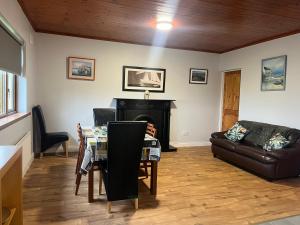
229,145
255,153
236,133
293,136
260,133
276,142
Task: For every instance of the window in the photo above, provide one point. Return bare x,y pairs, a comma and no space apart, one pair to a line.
12,64
7,93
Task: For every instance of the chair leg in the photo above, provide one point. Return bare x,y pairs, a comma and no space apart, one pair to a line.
136,203
109,207
77,168
100,182
78,179
41,155
146,169
64,145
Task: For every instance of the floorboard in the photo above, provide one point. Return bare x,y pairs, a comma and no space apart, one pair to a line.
193,188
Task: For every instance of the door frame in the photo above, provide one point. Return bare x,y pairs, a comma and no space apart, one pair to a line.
222,94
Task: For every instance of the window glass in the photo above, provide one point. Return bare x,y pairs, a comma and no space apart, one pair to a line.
7,93
10,92
2,94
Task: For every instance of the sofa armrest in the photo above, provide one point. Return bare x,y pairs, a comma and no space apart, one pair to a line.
218,134
286,153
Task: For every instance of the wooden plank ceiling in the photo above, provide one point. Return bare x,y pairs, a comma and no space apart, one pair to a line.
202,25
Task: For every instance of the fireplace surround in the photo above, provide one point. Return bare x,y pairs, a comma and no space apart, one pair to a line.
150,110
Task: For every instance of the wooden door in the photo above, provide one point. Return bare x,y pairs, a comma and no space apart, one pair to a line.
231,99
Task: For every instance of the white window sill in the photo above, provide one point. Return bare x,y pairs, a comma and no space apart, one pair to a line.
11,119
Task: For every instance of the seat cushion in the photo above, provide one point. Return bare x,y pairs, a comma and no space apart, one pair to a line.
55,138
62,136
255,153
227,144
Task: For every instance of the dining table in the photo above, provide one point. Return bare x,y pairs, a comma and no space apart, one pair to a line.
96,150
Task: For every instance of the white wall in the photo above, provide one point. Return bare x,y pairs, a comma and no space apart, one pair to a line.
11,10
67,102
277,107
196,113
197,107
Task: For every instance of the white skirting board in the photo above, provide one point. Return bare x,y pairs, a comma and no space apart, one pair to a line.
27,154
190,144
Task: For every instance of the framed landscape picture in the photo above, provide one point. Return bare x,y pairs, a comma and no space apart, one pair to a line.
143,78
198,76
273,75
81,68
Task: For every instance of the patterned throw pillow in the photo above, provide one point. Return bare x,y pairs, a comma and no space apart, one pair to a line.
236,133
276,142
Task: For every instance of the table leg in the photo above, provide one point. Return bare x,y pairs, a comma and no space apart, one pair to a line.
153,181
91,185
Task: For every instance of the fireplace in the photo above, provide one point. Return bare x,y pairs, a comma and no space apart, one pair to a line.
153,111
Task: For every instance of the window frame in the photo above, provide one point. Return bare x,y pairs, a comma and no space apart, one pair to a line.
5,98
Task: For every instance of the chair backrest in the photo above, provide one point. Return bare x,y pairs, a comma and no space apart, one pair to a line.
81,148
103,115
37,114
39,128
151,130
79,133
125,142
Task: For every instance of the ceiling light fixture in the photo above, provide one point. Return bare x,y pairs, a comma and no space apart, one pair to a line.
164,25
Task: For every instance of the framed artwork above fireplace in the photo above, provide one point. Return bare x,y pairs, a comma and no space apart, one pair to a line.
143,78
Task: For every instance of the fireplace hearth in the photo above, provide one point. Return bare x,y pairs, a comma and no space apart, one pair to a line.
153,111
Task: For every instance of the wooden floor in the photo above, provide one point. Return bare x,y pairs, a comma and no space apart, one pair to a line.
193,188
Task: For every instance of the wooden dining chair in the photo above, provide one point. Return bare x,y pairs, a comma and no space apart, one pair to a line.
151,130
80,157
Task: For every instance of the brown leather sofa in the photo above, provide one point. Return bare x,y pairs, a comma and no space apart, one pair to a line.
249,154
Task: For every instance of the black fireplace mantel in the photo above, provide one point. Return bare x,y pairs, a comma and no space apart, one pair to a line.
141,99
156,111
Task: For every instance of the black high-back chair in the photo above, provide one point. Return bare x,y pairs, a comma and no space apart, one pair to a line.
120,172
103,115
43,140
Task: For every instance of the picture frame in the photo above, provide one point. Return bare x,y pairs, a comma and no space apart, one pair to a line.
198,76
273,73
143,78
81,68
